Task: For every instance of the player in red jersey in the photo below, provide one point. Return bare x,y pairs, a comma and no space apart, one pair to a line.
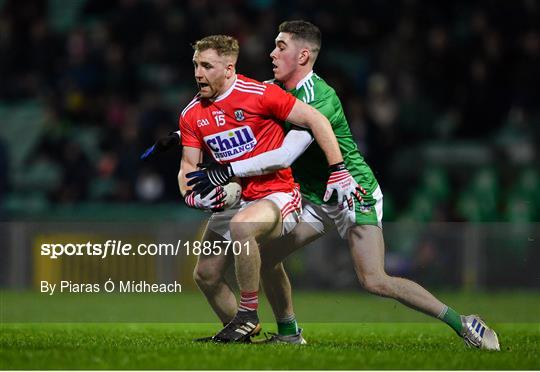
238,124
234,118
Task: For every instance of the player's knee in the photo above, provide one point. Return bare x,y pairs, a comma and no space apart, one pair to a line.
376,283
206,279
241,228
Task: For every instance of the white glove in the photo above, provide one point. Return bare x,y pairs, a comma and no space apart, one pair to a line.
213,202
343,183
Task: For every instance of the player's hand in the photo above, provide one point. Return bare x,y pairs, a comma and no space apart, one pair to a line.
214,201
209,176
163,144
343,183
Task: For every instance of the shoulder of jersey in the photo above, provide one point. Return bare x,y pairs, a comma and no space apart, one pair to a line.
190,105
247,85
320,82
307,87
310,93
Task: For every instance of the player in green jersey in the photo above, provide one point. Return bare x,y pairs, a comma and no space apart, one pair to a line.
297,47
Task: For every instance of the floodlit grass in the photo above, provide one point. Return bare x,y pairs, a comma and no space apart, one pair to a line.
391,337
331,346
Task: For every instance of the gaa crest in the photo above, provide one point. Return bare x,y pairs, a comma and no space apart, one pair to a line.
239,115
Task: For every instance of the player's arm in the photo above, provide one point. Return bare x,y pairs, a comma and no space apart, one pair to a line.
191,156
294,145
211,201
305,116
163,144
339,180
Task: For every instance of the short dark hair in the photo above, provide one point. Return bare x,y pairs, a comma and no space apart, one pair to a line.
303,30
222,44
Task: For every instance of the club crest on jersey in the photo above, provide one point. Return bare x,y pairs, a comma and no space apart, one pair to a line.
365,208
231,144
239,115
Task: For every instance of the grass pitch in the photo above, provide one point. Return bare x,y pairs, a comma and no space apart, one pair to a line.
331,346
352,345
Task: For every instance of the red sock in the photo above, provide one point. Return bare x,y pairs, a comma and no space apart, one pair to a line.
249,301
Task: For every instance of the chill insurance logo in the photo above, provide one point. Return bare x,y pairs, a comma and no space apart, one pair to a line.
231,144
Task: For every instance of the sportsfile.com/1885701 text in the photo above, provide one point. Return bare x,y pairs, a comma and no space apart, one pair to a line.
119,248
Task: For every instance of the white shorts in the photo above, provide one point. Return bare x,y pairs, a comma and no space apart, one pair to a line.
325,217
290,205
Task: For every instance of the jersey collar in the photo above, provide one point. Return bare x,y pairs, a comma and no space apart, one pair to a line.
226,93
306,78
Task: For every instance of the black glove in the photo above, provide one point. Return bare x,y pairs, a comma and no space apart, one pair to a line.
210,176
163,144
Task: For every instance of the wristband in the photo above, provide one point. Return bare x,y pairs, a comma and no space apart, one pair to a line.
337,167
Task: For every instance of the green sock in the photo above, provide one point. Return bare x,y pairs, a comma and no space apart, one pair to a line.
452,318
287,326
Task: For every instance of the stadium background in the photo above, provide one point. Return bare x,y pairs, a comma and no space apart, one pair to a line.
442,99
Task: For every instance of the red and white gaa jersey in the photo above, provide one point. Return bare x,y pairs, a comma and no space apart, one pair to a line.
243,122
